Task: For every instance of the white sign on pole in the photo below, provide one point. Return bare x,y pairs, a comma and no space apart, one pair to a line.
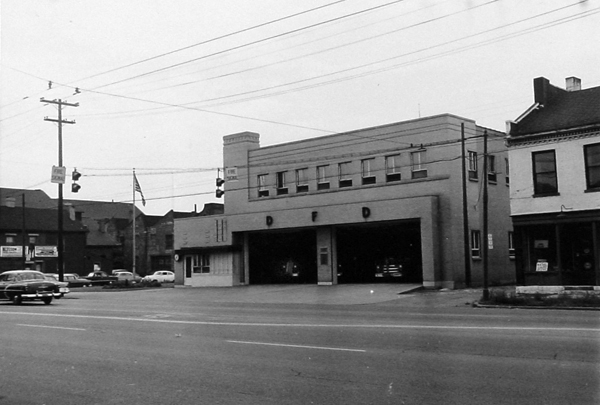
59,174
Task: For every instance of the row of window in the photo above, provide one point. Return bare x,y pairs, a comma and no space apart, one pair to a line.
545,177
491,168
11,238
323,174
476,244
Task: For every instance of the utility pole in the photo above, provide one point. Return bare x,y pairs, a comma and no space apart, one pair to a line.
465,210
23,228
60,122
486,293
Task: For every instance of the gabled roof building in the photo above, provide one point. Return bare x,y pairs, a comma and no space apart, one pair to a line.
554,154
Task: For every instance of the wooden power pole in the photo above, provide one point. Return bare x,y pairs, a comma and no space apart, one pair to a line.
60,121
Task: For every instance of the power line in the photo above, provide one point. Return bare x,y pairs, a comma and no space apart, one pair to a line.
252,43
215,39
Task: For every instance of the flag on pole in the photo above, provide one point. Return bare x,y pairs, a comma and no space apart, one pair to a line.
139,189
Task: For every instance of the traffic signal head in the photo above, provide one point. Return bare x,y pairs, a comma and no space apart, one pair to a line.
220,182
219,193
76,175
75,187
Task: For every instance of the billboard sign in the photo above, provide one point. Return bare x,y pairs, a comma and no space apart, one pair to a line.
11,251
46,251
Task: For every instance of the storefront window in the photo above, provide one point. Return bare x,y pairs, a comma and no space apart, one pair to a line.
577,254
542,249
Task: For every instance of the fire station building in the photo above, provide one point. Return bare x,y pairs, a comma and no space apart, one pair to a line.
381,204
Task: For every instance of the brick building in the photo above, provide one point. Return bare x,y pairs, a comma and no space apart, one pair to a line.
340,208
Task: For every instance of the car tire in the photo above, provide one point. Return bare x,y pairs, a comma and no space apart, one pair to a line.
17,300
47,300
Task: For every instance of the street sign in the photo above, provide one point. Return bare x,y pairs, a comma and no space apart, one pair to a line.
59,174
231,173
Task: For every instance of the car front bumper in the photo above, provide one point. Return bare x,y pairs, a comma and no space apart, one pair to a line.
42,294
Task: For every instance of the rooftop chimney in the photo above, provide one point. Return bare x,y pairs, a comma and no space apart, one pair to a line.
573,83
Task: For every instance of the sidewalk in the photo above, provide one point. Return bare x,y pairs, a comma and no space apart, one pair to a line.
341,294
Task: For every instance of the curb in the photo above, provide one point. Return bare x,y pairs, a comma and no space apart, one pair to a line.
478,305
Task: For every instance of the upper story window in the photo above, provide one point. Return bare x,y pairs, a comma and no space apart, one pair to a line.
368,177
473,165
281,183
491,168
544,173
168,241
592,166
418,164
33,238
392,168
262,186
507,171
11,238
323,177
344,174
301,180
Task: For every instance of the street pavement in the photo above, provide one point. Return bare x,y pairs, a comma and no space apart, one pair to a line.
296,344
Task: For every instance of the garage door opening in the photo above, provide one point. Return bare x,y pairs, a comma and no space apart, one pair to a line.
283,258
370,253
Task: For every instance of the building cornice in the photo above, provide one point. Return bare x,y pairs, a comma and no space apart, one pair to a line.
554,136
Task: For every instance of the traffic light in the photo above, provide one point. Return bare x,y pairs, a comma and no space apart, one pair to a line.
220,182
219,193
75,176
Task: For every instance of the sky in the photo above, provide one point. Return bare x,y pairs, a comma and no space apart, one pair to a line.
158,84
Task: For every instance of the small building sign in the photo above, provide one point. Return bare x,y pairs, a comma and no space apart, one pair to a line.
231,174
46,251
490,241
541,265
59,174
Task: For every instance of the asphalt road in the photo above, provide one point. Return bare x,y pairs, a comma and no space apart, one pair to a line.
252,346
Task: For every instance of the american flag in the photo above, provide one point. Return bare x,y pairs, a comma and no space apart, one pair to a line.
139,189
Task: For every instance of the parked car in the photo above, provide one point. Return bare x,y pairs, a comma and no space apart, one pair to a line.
64,286
100,278
20,285
162,276
127,275
75,281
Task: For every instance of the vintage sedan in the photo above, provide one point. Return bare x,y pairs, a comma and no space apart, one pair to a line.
21,285
75,281
162,276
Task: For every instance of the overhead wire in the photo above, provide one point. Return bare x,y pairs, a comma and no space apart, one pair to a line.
287,17
252,43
